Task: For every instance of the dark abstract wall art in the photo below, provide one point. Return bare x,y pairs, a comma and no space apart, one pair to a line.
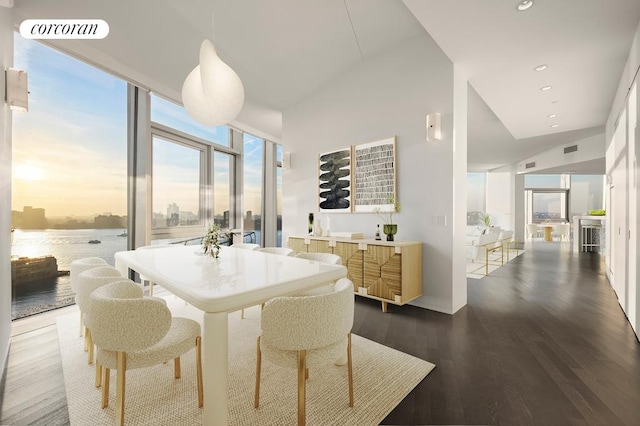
374,166
335,181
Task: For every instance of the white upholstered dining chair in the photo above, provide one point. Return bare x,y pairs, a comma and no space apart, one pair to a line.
246,246
80,265
132,331
88,281
563,231
534,231
282,251
329,258
307,332
333,259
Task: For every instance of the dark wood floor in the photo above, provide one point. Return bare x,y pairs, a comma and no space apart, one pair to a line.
542,341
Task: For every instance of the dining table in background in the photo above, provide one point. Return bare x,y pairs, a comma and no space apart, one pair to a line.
237,279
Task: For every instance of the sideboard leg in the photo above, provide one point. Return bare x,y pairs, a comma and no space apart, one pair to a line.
384,307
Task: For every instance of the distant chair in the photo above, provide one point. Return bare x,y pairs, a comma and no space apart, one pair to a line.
246,246
563,232
534,231
333,259
329,258
282,251
506,238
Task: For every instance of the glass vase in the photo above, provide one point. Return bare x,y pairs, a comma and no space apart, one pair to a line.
389,230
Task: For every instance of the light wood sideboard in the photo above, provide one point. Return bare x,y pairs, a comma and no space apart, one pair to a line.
388,271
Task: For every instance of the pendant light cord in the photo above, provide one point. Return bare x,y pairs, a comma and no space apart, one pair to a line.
353,29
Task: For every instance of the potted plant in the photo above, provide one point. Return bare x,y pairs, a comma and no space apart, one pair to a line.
389,227
210,243
485,220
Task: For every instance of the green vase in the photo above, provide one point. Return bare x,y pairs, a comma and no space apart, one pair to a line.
390,231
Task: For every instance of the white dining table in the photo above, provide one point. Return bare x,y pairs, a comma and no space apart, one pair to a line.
237,279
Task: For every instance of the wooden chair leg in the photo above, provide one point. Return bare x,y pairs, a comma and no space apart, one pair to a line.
256,400
350,372
150,288
106,375
90,343
98,374
199,371
120,387
81,325
302,366
241,313
176,367
86,339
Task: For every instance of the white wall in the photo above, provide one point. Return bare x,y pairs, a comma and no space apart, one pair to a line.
6,56
622,137
501,199
385,95
591,148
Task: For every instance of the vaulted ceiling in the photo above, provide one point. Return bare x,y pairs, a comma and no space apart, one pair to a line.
285,50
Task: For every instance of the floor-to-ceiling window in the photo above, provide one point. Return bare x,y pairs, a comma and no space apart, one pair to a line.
253,178
69,177
547,198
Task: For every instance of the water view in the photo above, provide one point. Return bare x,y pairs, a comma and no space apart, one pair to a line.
65,245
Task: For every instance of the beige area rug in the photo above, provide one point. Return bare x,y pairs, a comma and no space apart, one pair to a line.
477,270
382,378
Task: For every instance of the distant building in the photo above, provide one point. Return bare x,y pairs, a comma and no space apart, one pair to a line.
29,218
173,215
110,221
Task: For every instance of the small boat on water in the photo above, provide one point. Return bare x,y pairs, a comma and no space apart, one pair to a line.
124,234
94,241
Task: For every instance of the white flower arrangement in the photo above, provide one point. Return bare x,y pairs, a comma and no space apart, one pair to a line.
210,243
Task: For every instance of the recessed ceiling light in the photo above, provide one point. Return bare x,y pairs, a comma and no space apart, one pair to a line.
545,88
524,5
555,125
552,115
541,67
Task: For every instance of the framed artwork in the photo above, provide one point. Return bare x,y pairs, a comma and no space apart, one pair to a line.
334,175
374,166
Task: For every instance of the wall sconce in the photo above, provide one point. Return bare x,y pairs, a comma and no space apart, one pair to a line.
434,132
16,89
286,160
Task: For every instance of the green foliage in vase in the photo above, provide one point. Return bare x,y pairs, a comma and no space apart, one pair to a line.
598,212
386,215
210,242
486,220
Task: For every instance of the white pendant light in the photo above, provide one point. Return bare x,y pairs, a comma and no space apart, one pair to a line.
212,93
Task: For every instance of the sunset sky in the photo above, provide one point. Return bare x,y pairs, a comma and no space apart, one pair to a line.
69,149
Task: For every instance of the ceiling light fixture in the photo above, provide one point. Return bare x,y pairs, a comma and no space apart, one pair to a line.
552,115
545,88
555,125
524,5
212,93
541,67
